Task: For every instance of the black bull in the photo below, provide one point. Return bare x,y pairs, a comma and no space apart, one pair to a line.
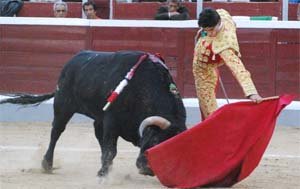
149,103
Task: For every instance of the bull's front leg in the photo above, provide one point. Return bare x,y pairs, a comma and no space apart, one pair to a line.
110,134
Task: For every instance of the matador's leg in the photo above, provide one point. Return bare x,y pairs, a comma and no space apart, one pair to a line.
206,79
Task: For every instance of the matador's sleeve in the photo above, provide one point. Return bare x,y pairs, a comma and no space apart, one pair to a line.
234,63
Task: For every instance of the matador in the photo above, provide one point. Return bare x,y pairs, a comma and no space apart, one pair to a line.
216,46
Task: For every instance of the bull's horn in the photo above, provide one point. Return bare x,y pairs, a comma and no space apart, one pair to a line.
154,120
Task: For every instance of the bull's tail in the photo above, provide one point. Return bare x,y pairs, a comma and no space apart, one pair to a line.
26,99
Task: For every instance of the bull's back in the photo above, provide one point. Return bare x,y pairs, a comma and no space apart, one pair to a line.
92,73
89,62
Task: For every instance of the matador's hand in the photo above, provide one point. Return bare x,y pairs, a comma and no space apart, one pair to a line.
256,98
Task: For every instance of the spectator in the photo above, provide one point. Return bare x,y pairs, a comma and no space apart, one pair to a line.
60,9
173,11
10,7
89,9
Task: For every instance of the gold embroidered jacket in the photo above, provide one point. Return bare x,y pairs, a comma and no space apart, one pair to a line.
211,52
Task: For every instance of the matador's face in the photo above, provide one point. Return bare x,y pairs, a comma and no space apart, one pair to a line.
213,31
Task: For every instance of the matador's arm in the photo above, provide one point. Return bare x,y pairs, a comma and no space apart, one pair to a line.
234,63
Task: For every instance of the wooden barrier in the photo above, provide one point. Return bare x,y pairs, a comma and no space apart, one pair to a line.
31,56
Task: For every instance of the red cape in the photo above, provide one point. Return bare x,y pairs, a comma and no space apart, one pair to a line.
220,151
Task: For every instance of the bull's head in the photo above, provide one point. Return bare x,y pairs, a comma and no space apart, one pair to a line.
153,130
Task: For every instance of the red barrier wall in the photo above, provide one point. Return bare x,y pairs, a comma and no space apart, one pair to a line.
31,60
287,58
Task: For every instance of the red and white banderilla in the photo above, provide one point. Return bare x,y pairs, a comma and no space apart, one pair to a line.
114,95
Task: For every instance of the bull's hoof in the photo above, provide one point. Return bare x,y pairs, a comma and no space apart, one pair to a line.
147,171
102,173
47,166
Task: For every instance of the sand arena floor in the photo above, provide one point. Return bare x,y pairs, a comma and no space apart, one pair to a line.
77,160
